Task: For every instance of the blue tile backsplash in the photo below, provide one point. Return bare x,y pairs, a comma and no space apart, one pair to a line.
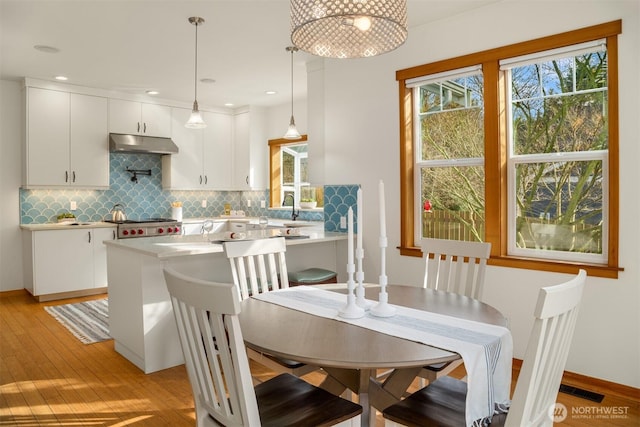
146,198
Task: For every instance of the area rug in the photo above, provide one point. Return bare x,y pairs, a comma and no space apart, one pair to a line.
88,321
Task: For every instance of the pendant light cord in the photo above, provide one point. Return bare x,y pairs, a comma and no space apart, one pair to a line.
292,50
195,80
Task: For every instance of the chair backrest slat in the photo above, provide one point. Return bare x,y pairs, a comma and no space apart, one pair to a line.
258,265
206,314
455,266
546,355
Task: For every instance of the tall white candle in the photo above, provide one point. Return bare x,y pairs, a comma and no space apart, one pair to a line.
350,237
360,219
383,227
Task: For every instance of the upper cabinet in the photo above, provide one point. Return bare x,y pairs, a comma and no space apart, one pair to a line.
139,118
250,150
66,140
204,160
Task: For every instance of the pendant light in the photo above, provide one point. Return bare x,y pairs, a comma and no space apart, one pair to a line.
348,28
195,120
292,132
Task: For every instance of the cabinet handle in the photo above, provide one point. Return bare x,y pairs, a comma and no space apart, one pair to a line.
114,235
88,232
138,127
247,179
205,180
66,176
200,179
144,128
74,176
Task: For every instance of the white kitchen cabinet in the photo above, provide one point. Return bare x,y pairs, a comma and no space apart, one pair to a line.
59,262
66,140
204,158
139,118
250,167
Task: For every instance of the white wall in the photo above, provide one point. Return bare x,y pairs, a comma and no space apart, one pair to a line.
10,177
361,147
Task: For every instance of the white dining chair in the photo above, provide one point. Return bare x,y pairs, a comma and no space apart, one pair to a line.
259,266
206,315
442,402
458,267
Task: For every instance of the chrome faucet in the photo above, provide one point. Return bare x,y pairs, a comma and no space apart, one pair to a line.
294,215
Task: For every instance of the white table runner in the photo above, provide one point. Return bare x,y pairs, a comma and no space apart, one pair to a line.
485,349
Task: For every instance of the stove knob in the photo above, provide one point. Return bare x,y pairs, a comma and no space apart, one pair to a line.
140,231
133,232
125,232
177,230
161,230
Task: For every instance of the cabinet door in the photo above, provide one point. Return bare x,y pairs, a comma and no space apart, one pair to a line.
47,137
125,117
100,254
217,151
183,171
156,120
241,152
89,141
63,261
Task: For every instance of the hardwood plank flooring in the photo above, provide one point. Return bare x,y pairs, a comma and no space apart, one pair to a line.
49,378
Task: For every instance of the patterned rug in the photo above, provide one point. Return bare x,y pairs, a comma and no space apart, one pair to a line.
88,321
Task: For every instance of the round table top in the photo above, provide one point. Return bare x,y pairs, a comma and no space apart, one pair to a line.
314,340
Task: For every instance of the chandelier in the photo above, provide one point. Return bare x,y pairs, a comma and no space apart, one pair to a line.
348,28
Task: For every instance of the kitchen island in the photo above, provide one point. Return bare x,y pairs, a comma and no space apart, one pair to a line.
140,314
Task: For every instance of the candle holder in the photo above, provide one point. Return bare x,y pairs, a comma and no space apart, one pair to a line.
351,310
360,300
383,308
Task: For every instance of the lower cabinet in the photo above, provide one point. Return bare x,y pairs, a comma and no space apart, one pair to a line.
64,261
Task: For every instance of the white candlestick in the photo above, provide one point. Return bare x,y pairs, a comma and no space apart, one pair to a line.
360,219
350,236
383,219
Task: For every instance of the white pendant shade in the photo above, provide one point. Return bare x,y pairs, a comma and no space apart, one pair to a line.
348,28
292,132
195,119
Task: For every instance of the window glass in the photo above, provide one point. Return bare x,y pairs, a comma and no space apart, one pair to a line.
451,172
559,108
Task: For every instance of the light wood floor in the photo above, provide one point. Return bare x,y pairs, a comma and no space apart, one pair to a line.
49,378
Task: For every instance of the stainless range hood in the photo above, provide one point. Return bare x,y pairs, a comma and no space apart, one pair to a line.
141,144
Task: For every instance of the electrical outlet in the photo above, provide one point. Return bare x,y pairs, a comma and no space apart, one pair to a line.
72,205
263,204
343,222
204,203
248,203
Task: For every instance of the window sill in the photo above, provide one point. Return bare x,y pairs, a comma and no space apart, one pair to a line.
608,272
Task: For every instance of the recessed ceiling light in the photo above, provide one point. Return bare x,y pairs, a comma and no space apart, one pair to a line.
62,78
228,104
152,92
207,81
46,49
271,92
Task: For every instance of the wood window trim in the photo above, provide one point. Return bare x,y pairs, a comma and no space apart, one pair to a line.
496,148
275,167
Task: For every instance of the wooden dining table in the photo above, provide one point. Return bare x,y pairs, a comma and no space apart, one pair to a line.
351,355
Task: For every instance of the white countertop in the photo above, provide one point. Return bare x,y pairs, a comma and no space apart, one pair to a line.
66,225
173,246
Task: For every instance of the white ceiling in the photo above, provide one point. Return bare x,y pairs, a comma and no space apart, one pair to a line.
136,45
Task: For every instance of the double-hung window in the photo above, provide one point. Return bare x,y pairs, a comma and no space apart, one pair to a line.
516,146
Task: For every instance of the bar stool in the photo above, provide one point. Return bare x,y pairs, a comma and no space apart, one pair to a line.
312,276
